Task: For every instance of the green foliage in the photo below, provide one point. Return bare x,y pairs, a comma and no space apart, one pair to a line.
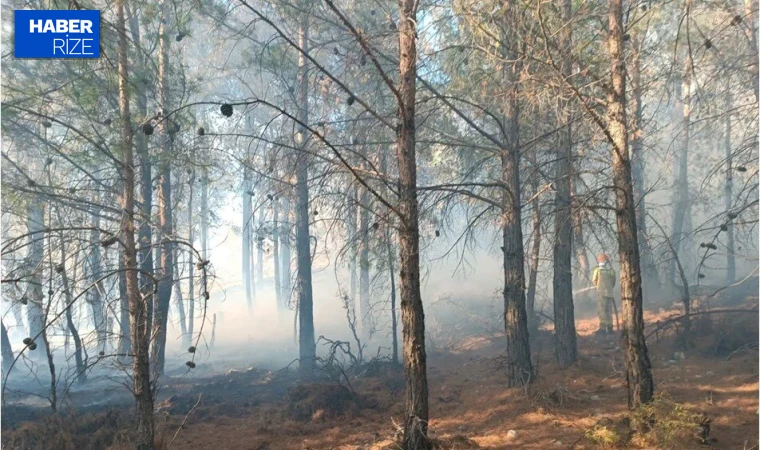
669,425
603,436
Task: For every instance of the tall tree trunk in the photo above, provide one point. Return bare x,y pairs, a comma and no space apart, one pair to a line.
246,232
178,297
394,319
648,266
137,306
682,203
164,195
124,347
306,344
81,364
190,261
412,312
5,343
583,276
364,243
285,232
519,366
260,249
535,251
35,307
145,231
729,188
566,345
96,293
352,253
18,316
638,366
281,306
391,269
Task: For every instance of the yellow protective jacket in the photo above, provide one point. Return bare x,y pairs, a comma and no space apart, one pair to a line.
604,280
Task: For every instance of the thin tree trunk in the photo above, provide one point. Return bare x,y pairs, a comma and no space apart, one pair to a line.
7,350
352,253
519,366
276,254
190,261
579,241
535,252
412,312
729,188
364,243
638,366
391,269
394,319
125,342
145,231
285,232
164,195
682,203
246,231
260,249
566,345
648,266
137,306
81,364
179,298
306,344
35,307
96,293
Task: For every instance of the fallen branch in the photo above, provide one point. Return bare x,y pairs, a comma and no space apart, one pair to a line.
182,425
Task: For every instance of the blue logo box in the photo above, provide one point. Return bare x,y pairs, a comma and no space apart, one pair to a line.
56,33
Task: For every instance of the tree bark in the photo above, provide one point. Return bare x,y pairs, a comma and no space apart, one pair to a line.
81,364
164,195
638,367
352,253
583,276
285,232
35,307
281,306
535,252
96,293
566,346
7,350
519,366
145,230
260,249
412,312
125,341
306,344
137,306
246,233
191,261
178,297
364,244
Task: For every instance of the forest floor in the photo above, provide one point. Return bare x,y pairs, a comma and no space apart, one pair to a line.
470,407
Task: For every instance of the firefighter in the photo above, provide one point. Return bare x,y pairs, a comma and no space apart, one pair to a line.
604,281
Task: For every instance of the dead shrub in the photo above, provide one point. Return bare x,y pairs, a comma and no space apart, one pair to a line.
733,333
70,432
